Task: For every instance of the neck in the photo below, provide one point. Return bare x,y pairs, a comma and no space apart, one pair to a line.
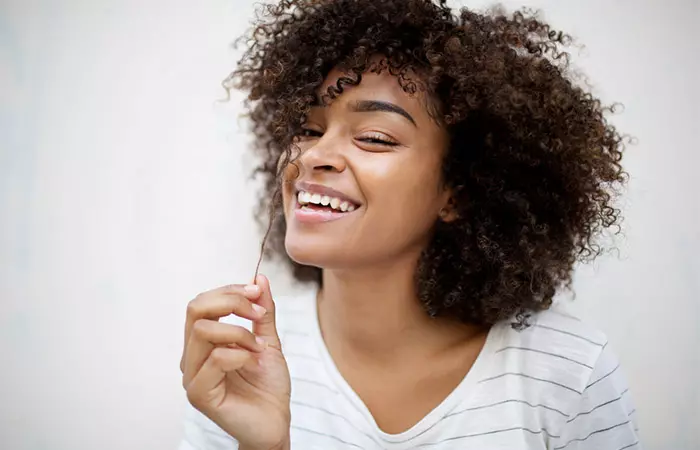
374,314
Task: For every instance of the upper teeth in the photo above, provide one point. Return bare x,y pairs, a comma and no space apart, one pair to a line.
341,205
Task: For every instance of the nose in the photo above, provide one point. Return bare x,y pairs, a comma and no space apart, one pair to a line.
324,154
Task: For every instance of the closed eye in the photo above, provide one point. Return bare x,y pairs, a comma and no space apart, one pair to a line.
378,139
307,132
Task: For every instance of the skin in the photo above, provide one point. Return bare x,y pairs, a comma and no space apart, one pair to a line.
391,182
241,383
380,339
378,335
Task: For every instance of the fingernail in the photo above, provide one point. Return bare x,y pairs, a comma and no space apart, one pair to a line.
251,290
259,310
262,342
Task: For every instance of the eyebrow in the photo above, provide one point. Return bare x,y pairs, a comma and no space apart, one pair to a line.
375,105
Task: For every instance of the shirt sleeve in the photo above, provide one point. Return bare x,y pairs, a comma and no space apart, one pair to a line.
605,418
200,433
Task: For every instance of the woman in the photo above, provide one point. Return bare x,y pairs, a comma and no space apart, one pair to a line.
440,176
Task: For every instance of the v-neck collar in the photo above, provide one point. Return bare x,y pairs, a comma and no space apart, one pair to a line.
458,395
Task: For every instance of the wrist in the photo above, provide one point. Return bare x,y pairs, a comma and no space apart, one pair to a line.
284,445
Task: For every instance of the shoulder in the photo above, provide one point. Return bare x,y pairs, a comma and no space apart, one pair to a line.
566,369
583,377
556,355
563,363
560,335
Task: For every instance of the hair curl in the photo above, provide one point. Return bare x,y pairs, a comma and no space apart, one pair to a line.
533,161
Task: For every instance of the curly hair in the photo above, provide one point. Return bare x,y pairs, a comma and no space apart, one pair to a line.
533,161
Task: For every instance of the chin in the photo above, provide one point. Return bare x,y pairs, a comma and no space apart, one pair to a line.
311,252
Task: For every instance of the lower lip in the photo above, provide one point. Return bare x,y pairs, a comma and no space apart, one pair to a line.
313,216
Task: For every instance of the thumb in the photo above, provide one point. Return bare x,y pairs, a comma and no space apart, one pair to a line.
265,326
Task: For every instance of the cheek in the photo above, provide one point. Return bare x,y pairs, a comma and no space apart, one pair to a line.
408,182
404,194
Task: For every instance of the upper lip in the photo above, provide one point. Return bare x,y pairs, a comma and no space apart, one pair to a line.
324,190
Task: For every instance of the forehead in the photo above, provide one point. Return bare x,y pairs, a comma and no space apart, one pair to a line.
378,86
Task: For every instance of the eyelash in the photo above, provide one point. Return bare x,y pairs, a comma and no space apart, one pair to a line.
376,139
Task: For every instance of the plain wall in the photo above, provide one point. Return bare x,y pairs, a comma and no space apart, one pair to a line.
123,194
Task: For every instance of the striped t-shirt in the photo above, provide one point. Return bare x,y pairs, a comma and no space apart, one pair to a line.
554,385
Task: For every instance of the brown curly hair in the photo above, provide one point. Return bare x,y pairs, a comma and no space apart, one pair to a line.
533,161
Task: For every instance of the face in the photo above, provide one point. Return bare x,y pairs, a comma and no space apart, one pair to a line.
369,188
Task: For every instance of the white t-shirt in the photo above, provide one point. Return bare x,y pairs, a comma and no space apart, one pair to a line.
555,385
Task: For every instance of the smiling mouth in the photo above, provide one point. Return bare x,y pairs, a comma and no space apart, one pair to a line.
317,202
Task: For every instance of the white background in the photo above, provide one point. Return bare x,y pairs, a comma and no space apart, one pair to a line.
123,194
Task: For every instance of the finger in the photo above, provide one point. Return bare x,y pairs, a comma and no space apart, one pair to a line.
265,326
208,334
220,361
221,302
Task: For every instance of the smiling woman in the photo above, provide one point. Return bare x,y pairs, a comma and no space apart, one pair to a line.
378,147
440,175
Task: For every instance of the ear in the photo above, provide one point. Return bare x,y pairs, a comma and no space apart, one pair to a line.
448,213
